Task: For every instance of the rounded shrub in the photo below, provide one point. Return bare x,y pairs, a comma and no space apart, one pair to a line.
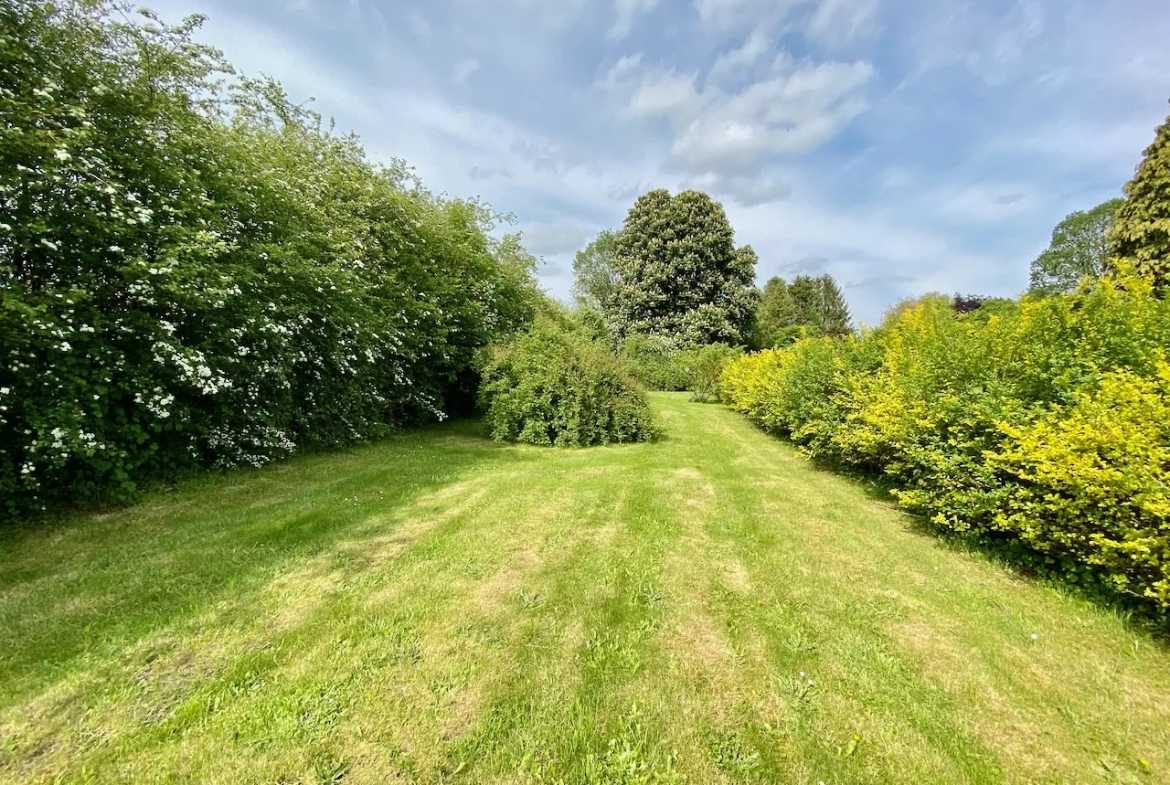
553,387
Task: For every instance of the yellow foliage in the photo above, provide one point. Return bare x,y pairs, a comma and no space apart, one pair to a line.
1043,423
1093,481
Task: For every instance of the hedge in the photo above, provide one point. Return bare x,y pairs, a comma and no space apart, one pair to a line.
194,272
1042,428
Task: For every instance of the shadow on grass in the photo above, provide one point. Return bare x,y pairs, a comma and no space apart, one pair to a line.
91,582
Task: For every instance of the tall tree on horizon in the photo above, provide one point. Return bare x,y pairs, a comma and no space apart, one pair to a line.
679,275
594,276
835,317
1079,249
820,305
776,313
808,306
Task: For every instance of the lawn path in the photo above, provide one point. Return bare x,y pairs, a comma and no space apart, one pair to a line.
708,608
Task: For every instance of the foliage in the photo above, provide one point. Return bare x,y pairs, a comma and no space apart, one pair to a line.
808,307
680,277
908,303
820,306
194,273
703,367
1089,481
1079,250
654,362
1039,427
594,276
1141,233
775,314
552,386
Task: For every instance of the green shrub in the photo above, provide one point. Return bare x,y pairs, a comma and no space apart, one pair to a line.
703,367
654,363
550,386
1040,427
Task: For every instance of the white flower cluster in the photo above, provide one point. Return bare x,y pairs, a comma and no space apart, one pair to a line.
255,445
157,402
192,366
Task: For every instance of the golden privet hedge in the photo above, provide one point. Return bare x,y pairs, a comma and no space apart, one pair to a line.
1041,427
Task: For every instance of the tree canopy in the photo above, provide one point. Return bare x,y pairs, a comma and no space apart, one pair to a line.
594,276
808,306
1141,233
679,275
1079,250
194,271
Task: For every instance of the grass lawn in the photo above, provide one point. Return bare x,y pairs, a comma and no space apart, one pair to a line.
437,608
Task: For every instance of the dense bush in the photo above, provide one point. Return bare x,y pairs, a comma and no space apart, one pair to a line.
1041,427
654,362
195,273
703,366
553,386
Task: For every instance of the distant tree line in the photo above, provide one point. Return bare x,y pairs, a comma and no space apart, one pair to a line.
809,306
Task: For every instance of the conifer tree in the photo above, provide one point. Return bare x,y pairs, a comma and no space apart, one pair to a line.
808,306
776,312
835,318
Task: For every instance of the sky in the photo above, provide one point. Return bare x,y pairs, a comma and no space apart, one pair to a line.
903,146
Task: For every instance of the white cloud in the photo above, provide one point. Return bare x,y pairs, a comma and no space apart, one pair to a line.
982,202
420,26
1026,109
832,22
884,258
733,13
748,191
737,61
628,12
839,21
550,239
1079,142
553,14
984,39
794,109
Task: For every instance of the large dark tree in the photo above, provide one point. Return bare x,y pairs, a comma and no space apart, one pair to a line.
1079,249
1141,233
680,276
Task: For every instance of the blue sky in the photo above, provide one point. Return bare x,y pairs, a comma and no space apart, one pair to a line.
902,145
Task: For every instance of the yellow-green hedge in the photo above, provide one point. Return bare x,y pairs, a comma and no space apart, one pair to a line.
1042,427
